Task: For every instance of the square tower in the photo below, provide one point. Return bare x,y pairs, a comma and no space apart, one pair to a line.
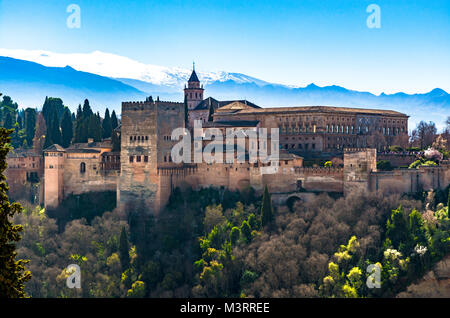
145,146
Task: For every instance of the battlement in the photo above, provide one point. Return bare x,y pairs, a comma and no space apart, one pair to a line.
147,105
318,170
356,149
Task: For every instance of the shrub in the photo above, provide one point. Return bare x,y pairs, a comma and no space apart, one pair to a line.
384,165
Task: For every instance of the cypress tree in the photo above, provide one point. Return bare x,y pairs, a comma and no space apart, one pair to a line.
114,121
123,250
55,130
87,110
115,141
79,131
266,208
94,128
8,124
39,133
66,128
12,272
30,125
106,125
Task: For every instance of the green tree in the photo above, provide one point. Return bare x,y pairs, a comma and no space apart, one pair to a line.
397,230
114,122
246,231
137,290
55,131
8,124
416,228
12,272
106,125
94,128
115,139
123,250
30,125
235,233
66,128
266,208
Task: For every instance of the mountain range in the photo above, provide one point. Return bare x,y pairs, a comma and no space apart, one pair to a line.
108,79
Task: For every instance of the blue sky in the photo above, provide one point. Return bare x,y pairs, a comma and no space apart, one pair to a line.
290,42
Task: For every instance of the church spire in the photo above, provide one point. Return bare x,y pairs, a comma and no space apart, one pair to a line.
193,93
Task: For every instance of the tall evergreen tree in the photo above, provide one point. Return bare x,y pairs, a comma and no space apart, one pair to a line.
66,128
80,131
30,125
94,128
123,250
266,208
115,139
55,130
8,124
39,133
12,272
87,110
106,125
114,121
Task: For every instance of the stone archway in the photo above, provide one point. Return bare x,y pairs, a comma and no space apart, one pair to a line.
290,202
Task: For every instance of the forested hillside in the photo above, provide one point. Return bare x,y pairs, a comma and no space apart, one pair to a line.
218,243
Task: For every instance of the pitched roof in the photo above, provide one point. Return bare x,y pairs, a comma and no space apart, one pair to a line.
193,77
324,109
232,123
55,147
237,106
82,150
242,101
106,143
206,103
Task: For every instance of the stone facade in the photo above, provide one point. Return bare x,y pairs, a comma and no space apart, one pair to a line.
144,173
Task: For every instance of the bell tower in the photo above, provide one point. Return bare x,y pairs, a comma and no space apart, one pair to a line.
193,93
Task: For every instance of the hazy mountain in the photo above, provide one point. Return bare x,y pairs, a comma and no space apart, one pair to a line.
108,79
28,83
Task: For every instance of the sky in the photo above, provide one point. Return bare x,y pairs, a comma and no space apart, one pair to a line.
293,42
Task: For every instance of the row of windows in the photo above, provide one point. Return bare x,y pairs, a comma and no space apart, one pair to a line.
53,154
197,95
351,129
289,130
342,119
299,146
138,138
138,158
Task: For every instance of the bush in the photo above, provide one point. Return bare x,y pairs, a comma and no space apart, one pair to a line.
395,148
416,164
384,165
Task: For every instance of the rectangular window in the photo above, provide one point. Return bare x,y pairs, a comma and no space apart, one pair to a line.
138,158
145,158
131,158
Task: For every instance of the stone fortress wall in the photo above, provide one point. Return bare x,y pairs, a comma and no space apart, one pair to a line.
144,174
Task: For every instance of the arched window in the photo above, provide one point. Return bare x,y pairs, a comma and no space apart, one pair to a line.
82,167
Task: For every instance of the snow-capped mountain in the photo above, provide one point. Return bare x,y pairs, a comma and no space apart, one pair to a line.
108,79
116,66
